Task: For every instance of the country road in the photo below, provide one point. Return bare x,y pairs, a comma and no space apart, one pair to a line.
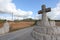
23,34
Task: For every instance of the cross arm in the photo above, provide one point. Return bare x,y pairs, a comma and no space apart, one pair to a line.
40,12
48,10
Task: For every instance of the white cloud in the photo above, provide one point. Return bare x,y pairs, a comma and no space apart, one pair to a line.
9,7
19,12
55,13
37,17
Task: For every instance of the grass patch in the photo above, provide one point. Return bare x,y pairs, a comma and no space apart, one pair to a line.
2,21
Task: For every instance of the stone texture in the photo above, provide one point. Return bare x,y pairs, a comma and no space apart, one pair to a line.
53,37
5,28
56,30
49,30
41,30
58,37
44,10
46,37
46,30
52,23
38,23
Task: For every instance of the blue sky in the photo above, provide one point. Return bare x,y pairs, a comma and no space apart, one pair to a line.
34,5
28,8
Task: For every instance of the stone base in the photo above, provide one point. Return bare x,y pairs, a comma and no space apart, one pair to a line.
46,33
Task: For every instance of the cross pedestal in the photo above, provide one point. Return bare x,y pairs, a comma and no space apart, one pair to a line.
46,31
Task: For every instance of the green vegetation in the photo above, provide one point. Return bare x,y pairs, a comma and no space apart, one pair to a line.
2,21
28,19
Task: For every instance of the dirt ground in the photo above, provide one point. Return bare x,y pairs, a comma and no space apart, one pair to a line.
1,24
20,25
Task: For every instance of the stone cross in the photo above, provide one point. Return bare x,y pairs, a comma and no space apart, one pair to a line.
44,10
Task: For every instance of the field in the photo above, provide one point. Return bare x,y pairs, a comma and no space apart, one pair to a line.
1,23
20,25
15,25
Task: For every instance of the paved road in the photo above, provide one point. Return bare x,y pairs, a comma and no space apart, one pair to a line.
24,34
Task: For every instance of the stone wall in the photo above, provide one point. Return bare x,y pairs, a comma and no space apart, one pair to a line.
51,22
38,23
5,28
47,30
46,33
